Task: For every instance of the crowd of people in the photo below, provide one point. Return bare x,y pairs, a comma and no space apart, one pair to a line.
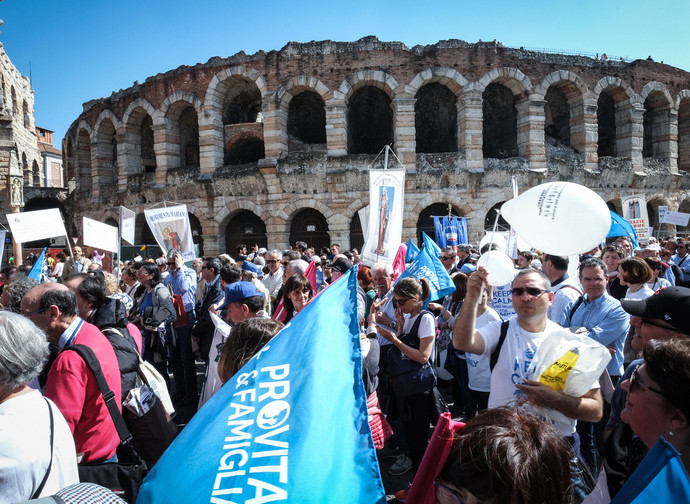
633,301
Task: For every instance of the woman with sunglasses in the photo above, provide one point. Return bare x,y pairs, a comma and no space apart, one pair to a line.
658,404
414,410
506,455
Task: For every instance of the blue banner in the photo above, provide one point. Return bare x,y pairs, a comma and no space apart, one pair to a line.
428,265
661,477
37,268
430,245
450,231
621,227
290,426
412,251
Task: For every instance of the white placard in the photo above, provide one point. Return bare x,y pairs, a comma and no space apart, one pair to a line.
100,235
127,224
677,218
36,225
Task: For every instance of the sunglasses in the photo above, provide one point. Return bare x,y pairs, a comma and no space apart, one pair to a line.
532,291
272,261
635,384
444,258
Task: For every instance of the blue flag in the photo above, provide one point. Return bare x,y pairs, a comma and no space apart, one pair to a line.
428,265
450,231
290,426
621,227
430,245
661,477
412,251
37,268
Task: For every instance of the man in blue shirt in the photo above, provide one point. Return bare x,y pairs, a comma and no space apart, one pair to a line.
604,320
182,281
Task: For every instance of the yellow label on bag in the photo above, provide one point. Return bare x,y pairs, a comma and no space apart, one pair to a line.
555,375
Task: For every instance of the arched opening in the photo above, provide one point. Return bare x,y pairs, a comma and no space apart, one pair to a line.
245,227
306,122
499,122
684,135
242,103
606,120
653,215
197,233
189,137
655,121
36,173
83,160
245,149
71,167
613,208
369,121
356,234
490,219
425,221
148,154
682,230
557,112
25,170
15,104
436,119
26,116
311,227
106,152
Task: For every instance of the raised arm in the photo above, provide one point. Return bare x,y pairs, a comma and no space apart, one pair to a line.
465,337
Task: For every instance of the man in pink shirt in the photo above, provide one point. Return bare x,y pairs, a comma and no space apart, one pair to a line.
70,384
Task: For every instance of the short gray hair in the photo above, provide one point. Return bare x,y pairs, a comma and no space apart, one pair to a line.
384,266
21,284
23,350
299,266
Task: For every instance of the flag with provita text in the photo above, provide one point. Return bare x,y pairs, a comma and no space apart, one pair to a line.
428,265
273,432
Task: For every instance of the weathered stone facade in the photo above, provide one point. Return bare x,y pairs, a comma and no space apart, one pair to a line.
274,147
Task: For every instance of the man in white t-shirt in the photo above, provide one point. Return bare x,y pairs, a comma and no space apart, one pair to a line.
532,296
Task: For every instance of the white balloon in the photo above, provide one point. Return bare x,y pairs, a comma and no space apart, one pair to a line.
559,218
522,243
499,241
500,267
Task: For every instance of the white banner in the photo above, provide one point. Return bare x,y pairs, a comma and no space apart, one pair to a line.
384,232
364,220
127,224
635,212
170,226
36,225
100,235
3,234
677,218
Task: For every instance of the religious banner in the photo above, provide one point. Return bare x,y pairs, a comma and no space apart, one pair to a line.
100,235
384,232
36,225
170,226
127,224
635,212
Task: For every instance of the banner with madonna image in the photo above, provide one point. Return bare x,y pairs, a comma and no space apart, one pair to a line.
384,231
171,229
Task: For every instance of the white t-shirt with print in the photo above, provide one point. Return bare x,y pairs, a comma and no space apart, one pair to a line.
478,370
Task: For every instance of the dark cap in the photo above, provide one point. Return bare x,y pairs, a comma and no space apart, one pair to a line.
341,264
671,304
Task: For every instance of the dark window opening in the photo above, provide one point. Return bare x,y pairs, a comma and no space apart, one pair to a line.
606,119
436,119
370,121
248,149
557,111
500,122
306,120
148,154
311,227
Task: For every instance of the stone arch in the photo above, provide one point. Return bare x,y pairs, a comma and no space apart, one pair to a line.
446,76
656,120
564,93
244,227
490,218
105,138
653,205
137,123
26,117
512,78
244,147
683,108
425,223
234,207
35,174
684,207
614,99
376,78
180,113
306,116
370,122
82,180
436,119
218,87
309,225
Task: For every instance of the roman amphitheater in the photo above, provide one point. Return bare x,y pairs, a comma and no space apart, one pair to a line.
275,147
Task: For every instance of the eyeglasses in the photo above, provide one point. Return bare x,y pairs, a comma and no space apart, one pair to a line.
444,258
532,291
205,267
445,495
171,264
635,383
272,261
40,310
284,263
657,324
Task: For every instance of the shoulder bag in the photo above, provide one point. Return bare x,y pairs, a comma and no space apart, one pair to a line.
407,376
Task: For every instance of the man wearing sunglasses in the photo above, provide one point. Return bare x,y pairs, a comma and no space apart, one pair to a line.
448,260
662,316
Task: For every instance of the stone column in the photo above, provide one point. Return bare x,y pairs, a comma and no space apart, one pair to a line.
530,131
584,130
211,141
470,126
167,148
630,132
673,140
404,140
275,128
336,128
128,158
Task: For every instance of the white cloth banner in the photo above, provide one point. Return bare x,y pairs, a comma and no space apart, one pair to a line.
677,218
36,225
170,226
100,235
364,220
127,224
386,199
3,234
635,212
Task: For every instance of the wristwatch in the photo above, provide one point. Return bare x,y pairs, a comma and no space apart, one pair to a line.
393,324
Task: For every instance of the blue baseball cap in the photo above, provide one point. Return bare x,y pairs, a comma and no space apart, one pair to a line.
238,291
250,266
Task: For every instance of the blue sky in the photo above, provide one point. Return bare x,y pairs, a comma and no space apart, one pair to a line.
81,50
